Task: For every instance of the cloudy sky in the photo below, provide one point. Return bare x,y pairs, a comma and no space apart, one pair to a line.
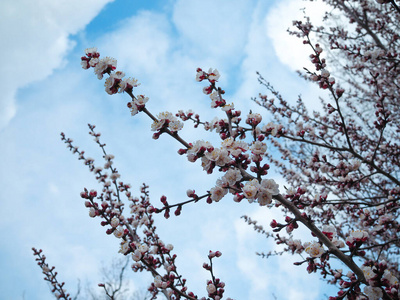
161,43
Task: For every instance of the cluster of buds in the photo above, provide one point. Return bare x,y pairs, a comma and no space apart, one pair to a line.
50,275
304,27
324,79
356,239
215,93
291,224
221,126
275,130
253,119
215,287
188,115
148,253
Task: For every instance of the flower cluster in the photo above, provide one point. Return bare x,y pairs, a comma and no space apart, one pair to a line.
215,93
263,191
137,104
165,120
357,236
212,76
273,129
115,82
381,280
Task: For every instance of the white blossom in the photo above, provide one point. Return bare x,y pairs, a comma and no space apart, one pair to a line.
314,249
114,222
250,189
373,293
217,193
211,288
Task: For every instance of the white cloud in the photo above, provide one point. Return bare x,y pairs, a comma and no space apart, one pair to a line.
214,29
290,49
141,43
37,37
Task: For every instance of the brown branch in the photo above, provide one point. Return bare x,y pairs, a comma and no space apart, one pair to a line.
322,237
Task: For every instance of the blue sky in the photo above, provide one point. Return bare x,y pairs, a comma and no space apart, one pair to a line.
161,43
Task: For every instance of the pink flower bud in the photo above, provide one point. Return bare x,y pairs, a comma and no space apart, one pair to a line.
273,224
